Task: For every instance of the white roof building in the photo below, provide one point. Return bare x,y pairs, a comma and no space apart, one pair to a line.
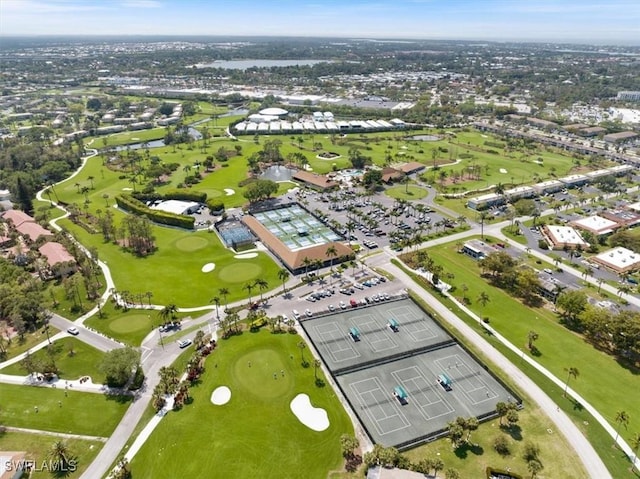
563,236
177,207
619,259
596,225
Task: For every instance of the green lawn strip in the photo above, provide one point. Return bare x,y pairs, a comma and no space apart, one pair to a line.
83,362
38,447
559,348
129,327
255,434
407,192
78,304
19,345
615,461
125,138
79,412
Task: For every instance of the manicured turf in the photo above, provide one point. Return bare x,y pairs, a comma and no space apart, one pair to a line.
408,192
79,413
600,374
255,434
83,362
129,327
38,447
20,345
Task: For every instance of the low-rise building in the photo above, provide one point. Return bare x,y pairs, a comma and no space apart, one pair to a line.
561,237
60,262
596,225
477,249
619,259
314,180
620,137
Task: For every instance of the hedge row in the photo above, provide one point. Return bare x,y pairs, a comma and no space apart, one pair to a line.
132,205
183,195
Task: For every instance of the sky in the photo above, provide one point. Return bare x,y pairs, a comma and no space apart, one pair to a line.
579,21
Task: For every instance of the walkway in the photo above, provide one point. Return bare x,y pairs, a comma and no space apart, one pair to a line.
55,434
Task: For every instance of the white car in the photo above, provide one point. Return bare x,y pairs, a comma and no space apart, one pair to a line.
332,307
343,305
73,330
296,314
308,313
184,343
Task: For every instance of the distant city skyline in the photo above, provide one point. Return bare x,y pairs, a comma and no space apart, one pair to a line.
570,21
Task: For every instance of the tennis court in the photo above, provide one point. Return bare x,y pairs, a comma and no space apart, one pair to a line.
372,370
296,227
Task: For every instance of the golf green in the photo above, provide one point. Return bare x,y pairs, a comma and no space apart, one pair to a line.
260,373
239,272
191,243
131,323
409,192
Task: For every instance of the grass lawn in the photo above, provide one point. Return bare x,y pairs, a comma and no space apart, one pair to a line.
38,446
255,434
559,348
83,362
30,339
406,192
77,413
129,327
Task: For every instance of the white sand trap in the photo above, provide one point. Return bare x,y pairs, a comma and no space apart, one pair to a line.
135,139
502,170
207,268
127,189
221,396
246,255
229,191
313,417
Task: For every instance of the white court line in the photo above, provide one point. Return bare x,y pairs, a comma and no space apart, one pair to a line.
415,393
381,413
335,333
370,329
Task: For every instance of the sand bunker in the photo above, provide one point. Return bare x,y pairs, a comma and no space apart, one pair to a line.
127,189
207,268
502,170
313,417
221,396
229,191
246,255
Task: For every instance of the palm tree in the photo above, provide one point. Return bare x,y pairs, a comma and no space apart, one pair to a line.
438,465
316,365
533,336
600,281
216,300
534,466
249,287
483,298
302,347
482,217
224,292
331,252
306,262
59,452
623,289
635,445
572,372
168,312
106,199
149,295
91,178
622,418
262,284
283,275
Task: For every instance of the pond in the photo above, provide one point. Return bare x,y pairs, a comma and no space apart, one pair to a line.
278,173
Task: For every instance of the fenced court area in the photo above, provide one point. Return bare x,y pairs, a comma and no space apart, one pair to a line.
296,227
371,372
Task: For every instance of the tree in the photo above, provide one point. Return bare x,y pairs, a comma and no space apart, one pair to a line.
622,418
571,304
471,424
283,275
572,372
534,466
316,365
224,292
119,365
249,287
331,253
483,298
438,465
262,284
456,433
216,301
169,379
512,417
531,451
532,336
482,217
635,445
372,179
168,313
349,445
60,452
501,445
451,473
502,408
302,346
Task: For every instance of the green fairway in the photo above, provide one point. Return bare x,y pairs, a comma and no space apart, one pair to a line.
72,357
129,327
408,192
38,447
191,243
255,434
559,348
59,410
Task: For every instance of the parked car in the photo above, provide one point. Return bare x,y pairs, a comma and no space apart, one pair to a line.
343,305
332,307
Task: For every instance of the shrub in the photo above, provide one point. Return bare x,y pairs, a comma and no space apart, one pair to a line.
215,205
542,244
501,445
132,205
258,323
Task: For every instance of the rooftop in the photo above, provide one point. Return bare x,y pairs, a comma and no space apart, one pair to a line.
619,259
596,224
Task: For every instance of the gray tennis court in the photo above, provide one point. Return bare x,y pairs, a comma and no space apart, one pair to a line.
330,334
414,358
